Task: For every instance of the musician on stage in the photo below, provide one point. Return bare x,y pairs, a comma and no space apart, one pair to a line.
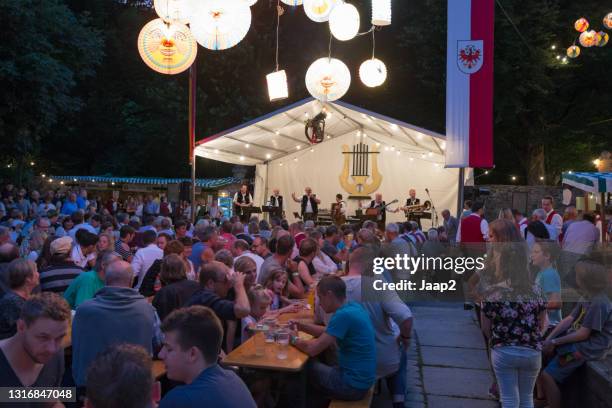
382,215
339,213
309,204
276,200
411,201
241,200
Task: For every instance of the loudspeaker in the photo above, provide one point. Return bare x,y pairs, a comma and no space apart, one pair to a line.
185,191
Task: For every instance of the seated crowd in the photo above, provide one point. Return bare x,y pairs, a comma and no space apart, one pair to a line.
190,294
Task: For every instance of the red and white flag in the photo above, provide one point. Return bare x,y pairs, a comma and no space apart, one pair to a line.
469,83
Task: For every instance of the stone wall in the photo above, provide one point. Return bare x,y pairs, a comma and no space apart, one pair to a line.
524,198
590,386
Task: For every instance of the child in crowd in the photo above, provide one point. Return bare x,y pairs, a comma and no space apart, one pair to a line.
584,335
543,256
278,289
259,300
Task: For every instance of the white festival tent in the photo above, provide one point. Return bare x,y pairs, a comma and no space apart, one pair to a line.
410,157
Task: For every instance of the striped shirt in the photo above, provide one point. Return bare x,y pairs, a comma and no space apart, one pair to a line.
57,277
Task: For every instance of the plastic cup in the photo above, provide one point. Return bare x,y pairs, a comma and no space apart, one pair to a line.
260,344
269,334
282,339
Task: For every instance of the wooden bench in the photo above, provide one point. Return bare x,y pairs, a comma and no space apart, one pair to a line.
362,403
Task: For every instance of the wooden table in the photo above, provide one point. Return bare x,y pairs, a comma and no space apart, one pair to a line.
304,315
244,356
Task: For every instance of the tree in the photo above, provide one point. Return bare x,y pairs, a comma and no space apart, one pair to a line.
541,103
47,51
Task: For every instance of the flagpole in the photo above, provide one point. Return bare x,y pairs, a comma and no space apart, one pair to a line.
192,127
460,192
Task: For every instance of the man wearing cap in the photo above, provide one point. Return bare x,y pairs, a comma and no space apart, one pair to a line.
61,270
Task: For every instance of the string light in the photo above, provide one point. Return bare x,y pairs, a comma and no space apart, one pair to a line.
541,178
553,47
241,158
247,145
268,156
513,178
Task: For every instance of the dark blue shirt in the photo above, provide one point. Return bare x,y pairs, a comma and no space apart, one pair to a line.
214,387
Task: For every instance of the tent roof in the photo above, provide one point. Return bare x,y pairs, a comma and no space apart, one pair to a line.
281,133
592,182
204,183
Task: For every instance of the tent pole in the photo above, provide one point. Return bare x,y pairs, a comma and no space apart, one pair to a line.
192,127
460,192
602,214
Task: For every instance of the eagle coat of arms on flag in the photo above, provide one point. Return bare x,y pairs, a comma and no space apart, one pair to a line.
470,55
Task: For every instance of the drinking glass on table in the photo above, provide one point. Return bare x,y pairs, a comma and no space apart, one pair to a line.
282,339
259,340
270,328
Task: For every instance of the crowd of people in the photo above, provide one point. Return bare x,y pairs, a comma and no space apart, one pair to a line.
130,286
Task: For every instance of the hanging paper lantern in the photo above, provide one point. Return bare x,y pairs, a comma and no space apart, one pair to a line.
344,21
220,24
607,21
167,48
292,2
373,72
319,10
328,79
174,11
381,12
277,85
573,51
581,25
601,38
587,39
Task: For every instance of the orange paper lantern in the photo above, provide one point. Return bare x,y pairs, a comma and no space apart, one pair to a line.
608,21
587,39
573,51
581,25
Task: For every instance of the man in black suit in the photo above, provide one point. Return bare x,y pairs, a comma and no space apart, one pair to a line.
276,200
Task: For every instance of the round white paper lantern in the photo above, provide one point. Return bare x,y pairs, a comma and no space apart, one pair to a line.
319,10
167,48
373,72
344,21
292,2
328,79
381,12
277,85
174,11
220,24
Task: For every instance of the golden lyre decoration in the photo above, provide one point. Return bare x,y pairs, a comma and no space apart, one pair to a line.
361,154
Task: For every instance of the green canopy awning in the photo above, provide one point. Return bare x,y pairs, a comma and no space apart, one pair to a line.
590,182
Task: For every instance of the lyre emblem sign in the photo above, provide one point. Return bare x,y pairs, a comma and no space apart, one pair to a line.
358,182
